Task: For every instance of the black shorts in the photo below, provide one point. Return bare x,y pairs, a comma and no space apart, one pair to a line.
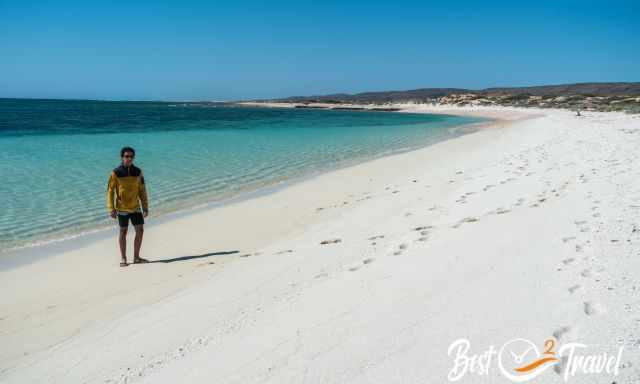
135,217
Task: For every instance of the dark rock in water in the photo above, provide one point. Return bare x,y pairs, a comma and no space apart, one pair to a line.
387,109
311,106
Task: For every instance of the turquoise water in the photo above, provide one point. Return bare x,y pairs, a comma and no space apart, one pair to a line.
56,156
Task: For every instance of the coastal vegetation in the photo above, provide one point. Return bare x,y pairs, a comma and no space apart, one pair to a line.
624,97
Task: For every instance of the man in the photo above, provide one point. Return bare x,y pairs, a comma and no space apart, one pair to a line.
127,200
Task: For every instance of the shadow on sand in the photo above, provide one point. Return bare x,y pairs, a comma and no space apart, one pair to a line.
185,258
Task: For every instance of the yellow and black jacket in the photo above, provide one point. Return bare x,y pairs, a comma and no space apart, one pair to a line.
126,187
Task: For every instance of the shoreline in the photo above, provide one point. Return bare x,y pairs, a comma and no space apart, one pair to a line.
364,266
498,113
183,258
33,252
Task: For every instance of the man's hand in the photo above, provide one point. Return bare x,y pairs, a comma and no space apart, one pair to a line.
113,214
145,213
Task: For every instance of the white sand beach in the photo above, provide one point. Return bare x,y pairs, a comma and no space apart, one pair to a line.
528,228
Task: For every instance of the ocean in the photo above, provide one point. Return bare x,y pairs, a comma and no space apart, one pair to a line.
56,155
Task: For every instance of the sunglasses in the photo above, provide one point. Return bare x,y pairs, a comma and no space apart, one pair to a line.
128,156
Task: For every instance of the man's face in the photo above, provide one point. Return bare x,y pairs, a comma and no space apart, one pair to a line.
127,158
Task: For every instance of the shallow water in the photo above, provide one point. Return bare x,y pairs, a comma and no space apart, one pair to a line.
56,156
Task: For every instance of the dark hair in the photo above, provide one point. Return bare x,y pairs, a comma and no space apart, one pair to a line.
127,149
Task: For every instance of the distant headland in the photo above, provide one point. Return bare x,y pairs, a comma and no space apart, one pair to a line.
580,96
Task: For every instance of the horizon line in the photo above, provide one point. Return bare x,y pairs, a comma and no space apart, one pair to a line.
312,95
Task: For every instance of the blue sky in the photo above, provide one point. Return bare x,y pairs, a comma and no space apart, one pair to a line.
226,50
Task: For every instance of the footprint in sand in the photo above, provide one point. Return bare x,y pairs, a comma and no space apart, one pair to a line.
465,220
582,226
560,366
568,239
401,248
628,364
502,211
424,232
330,241
372,238
354,267
558,333
574,288
321,275
586,273
568,261
591,308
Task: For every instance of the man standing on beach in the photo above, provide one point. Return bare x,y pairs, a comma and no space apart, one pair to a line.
127,200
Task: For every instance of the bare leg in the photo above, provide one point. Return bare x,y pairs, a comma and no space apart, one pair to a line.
137,242
122,241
